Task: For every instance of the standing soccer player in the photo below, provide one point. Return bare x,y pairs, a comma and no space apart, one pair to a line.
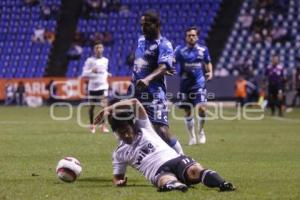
195,69
95,69
153,60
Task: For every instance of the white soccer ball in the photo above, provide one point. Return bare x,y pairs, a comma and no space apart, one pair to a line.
68,169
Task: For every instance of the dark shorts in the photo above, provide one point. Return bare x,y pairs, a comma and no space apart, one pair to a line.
193,97
156,104
176,166
157,112
97,96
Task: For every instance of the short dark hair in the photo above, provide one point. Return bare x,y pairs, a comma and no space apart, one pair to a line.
195,28
97,43
153,16
120,119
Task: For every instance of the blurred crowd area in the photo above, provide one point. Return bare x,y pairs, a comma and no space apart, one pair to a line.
264,29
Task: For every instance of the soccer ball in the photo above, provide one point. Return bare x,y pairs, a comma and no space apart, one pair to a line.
68,169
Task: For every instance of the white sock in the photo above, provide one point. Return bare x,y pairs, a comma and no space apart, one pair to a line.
177,147
190,126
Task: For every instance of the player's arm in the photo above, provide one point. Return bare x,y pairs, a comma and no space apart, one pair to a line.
119,180
208,65
209,71
87,71
107,66
135,104
143,83
175,61
119,170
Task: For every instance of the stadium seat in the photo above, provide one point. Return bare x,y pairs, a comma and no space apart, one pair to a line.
126,30
241,37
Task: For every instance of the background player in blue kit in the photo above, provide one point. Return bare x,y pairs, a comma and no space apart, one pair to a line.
195,69
153,60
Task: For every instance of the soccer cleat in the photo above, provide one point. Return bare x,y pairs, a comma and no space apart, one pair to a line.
192,141
173,185
202,138
93,128
226,187
104,129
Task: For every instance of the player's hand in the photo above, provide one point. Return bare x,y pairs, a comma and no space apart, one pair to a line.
209,76
171,72
121,183
101,116
142,84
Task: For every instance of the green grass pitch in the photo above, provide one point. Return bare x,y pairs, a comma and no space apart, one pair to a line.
262,158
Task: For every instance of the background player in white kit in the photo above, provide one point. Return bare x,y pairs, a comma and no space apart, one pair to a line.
142,148
96,70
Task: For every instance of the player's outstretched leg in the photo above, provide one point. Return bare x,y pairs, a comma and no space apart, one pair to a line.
91,117
197,174
201,120
164,132
103,127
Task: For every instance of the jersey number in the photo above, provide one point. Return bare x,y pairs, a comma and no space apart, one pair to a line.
186,160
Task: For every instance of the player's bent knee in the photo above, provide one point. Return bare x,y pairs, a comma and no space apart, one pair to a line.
201,108
91,108
188,112
193,173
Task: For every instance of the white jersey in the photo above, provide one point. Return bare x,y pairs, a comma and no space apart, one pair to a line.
147,153
98,79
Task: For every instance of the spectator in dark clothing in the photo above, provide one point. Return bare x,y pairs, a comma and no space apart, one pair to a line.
74,52
31,2
51,87
20,94
79,38
252,92
114,6
276,83
49,36
45,12
91,6
107,38
297,82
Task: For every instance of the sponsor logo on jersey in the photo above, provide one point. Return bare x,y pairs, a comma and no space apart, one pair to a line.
149,148
194,65
139,64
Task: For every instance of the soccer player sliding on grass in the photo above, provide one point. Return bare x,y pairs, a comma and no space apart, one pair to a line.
142,148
